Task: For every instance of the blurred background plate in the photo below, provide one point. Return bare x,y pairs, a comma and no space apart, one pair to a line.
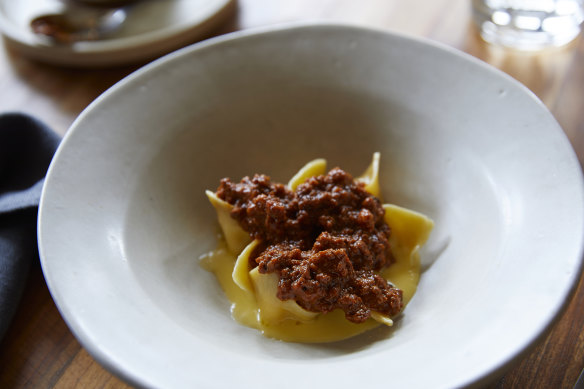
152,28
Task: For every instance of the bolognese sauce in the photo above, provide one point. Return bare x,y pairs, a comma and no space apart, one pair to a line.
326,241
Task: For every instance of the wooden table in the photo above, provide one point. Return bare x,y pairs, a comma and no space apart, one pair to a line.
39,351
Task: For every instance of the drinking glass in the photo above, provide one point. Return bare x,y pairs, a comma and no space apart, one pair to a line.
528,24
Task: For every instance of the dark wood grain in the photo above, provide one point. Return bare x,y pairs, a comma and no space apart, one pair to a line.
557,361
39,351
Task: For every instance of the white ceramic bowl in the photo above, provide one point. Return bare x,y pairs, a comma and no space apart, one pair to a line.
124,217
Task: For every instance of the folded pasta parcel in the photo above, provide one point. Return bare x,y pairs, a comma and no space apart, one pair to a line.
319,259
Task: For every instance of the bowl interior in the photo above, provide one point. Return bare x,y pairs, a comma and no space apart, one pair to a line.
124,216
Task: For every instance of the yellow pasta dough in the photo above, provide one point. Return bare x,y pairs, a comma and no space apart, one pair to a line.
254,295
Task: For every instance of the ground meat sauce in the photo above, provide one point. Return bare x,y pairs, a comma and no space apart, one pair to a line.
325,241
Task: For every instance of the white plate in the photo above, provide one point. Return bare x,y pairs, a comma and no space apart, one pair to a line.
123,216
152,28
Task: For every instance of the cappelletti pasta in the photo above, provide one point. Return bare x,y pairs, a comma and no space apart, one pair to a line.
254,291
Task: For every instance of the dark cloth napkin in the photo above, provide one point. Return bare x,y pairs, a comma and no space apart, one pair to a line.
26,149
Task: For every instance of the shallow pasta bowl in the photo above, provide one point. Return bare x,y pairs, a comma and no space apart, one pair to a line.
124,217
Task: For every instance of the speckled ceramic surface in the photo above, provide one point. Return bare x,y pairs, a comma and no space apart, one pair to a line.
124,218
